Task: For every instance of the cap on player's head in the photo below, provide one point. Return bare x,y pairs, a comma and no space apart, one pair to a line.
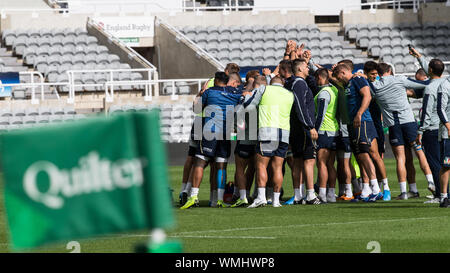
421,75
251,74
384,68
276,80
347,62
436,67
220,79
232,68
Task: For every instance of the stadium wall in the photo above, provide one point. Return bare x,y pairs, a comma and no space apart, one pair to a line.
176,59
434,12
430,12
25,20
218,18
114,47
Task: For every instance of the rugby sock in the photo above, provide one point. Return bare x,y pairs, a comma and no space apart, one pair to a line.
413,187
214,197
235,190
402,187
194,192
323,193
429,178
331,192
183,186
261,194
385,184
269,193
276,198
341,189
366,191
310,195
221,181
356,186
297,194
443,196
348,190
188,187
302,190
375,186
247,193
242,194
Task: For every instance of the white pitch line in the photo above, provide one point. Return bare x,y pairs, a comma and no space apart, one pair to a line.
205,236
307,225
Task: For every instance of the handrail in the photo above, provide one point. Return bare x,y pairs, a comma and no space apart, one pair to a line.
151,73
200,51
33,89
416,4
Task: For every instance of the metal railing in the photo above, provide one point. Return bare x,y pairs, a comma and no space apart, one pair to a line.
109,86
71,74
396,4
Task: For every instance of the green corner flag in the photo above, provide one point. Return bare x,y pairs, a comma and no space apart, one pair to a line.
86,178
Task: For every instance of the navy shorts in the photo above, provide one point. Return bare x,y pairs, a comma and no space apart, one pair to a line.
193,146
403,134
245,151
365,134
445,153
208,149
272,148
327,142
343,144
302,146
381,139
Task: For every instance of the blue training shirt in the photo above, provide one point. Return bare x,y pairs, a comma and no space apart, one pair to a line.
216,100
354,98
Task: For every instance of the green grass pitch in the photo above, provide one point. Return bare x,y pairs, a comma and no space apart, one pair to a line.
398,226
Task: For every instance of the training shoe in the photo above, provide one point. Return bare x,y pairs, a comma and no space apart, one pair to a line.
357,194
386,195
432,187
221,204
278,205
430,196
240,203
315,201
375,197
433,201
183,198
322,200
301,202
331,199
364,198
258,203
234,198
191,202
413,194
402,196
269,201
290,201
345,198
445,203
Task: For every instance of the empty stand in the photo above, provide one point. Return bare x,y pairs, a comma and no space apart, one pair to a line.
176,119
53,52
390,42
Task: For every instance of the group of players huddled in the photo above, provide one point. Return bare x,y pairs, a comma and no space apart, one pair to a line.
304,114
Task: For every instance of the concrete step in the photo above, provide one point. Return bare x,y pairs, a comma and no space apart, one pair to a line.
13,69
